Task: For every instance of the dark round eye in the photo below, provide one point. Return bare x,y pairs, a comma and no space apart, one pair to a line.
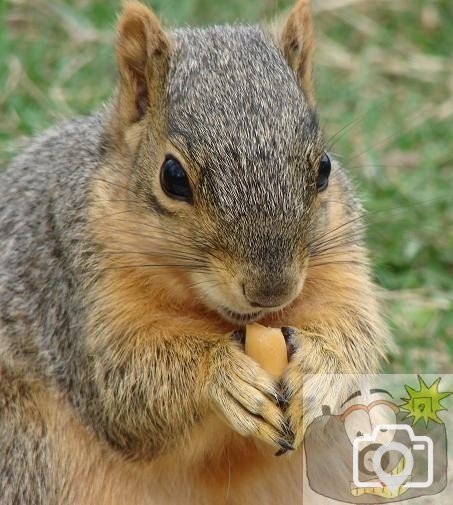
174,180
323,173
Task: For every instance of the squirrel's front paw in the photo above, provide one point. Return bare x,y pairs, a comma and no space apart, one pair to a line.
302,395
312,379
247,397
292,383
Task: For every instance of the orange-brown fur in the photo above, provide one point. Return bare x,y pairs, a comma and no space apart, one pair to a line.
148,327
297,42
214,465
235,470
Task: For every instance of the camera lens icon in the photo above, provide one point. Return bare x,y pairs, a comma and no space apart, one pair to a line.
401,454
393,480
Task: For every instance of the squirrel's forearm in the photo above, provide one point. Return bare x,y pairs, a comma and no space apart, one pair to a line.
330,354
350,342
139,389
339,316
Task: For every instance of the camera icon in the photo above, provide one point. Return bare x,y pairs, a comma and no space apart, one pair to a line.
392,462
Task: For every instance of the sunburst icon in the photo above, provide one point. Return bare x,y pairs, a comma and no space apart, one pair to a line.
424,403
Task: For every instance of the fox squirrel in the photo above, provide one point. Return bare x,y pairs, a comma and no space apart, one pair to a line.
137,241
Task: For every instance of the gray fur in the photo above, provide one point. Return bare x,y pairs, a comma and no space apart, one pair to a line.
236,109
43,198
254,129
253,138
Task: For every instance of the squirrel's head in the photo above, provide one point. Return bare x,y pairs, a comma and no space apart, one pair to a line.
227,158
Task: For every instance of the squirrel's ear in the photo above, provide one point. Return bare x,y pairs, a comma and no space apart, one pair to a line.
297,44
143,54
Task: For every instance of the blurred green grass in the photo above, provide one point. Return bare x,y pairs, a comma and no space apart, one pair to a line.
384,73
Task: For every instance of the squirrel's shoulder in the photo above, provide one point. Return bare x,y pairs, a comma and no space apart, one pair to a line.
63,148
46,187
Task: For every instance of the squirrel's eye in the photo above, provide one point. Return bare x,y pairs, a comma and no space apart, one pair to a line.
323,173
174,180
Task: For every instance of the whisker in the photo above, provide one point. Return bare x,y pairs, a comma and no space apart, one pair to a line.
394,136
343,131
336,262
209,282
185,259
153,265
165,229
367,217
150,237
114,184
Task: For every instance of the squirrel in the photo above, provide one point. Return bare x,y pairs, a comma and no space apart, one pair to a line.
138,241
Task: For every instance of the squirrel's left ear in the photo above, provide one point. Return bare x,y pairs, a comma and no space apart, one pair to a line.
297,43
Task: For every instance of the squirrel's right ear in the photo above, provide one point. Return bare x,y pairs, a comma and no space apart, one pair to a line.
143,54
297,43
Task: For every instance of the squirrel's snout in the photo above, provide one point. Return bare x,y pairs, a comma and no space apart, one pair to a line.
270,293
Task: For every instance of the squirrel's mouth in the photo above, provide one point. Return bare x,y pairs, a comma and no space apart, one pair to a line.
239,317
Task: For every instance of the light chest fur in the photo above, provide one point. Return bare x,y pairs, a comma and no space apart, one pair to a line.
216,466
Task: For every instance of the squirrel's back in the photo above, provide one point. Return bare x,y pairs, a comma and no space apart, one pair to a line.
43,204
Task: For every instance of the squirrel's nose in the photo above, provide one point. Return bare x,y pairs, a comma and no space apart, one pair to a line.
268,296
